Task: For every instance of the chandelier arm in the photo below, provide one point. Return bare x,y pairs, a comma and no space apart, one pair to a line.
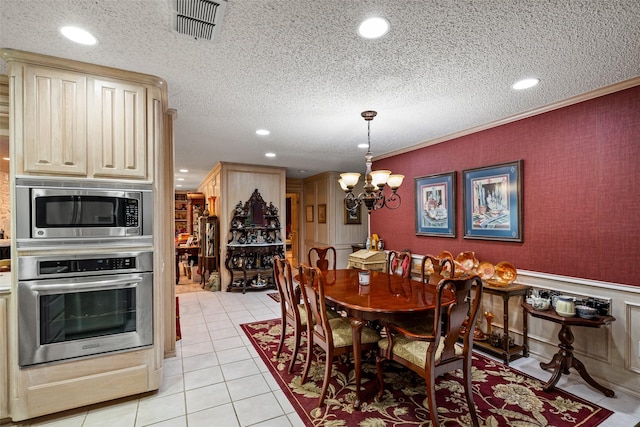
393,201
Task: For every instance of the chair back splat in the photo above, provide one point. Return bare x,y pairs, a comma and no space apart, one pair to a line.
399,263
434,269
439,352
322,257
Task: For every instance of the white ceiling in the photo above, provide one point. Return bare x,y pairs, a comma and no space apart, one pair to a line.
299,69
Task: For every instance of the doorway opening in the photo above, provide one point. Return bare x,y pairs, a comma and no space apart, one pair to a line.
292,230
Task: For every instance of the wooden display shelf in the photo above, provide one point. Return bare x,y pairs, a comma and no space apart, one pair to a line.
507,352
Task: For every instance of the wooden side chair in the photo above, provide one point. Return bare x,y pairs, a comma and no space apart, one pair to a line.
321,257
399,263
435,354
293,311
432,269
333,335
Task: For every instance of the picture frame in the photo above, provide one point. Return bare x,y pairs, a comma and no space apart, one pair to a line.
493,202
353,216
309,213
436,205
322,214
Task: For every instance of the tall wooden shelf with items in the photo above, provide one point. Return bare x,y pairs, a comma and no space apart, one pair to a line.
254,239
180,216
195,208
209,238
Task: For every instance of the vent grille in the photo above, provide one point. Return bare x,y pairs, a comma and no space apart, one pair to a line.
201,19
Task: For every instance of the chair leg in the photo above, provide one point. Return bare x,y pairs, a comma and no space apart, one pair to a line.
296,346
468,391
283,332
328,364
307,364
431,400
379,362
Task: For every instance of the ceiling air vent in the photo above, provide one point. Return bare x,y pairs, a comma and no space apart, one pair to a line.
201,19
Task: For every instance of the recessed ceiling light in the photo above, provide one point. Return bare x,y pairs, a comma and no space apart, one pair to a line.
270,154
302,171
178,185
363,145
179,179
525,84
373,28
184,170
262,132
78,35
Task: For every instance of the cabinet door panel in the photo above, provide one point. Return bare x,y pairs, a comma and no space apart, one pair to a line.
117,118
55,138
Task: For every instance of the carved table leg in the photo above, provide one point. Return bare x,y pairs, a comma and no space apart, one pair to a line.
564,360
585,375
505,320
525,333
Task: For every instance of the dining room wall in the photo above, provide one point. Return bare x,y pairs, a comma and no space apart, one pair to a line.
580,190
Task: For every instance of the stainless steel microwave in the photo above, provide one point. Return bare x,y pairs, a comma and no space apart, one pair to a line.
72,212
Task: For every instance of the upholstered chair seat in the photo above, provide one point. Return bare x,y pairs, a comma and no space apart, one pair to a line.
416,351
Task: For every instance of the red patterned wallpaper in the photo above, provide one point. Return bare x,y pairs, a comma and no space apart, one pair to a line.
581,187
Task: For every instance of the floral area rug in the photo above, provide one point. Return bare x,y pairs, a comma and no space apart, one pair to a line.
503,395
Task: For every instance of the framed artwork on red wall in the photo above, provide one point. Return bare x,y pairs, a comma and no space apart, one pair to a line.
436,205
493,202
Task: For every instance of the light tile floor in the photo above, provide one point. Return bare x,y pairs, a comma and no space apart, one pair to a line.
217,378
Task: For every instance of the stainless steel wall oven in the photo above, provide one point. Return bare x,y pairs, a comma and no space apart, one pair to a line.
81,305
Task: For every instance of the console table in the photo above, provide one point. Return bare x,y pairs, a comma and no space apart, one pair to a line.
564,359
507,352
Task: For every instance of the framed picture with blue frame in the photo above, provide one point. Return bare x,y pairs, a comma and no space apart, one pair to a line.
493,202
436,205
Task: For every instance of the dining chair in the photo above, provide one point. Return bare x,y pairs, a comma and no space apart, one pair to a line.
435,354
317,257
293,311
333,335
399,263
432,269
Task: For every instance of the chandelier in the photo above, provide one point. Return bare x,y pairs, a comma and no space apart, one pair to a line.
373,195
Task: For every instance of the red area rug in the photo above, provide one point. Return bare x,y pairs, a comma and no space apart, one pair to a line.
274,296
503,395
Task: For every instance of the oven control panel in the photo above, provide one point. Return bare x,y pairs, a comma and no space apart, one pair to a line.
86,265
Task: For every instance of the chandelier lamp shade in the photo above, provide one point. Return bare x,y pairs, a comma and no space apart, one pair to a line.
373,195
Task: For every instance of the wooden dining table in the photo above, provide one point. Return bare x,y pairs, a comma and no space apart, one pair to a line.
387,298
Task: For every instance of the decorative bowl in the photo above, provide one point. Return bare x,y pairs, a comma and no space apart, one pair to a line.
485,270
586,312
505,275
467,260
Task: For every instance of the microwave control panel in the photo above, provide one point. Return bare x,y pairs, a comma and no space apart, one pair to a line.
131,213
86,265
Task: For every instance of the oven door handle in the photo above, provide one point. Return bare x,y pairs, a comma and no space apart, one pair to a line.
100,284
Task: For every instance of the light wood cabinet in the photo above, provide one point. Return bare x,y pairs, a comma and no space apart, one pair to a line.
116,122
72,122
54,122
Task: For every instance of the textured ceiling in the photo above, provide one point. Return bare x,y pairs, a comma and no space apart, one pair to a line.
299,69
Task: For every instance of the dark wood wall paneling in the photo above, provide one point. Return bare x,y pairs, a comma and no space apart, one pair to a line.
581,170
